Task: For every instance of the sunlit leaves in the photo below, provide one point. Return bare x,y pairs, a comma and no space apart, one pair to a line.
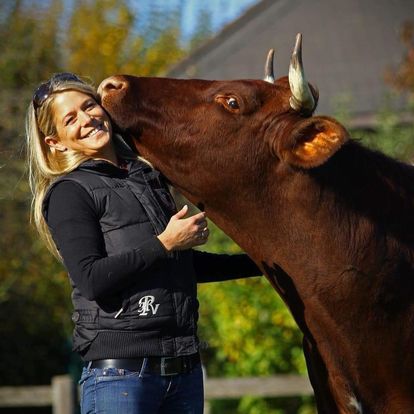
98,35
29,43
402,78
102,40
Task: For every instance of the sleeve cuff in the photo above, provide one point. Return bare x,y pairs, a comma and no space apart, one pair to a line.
152,250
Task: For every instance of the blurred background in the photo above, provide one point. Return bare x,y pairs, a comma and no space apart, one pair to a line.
360,54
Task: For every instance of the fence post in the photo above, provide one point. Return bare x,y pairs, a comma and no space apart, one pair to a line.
62,395
206,402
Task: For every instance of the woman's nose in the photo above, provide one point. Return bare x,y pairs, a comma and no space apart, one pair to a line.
84,118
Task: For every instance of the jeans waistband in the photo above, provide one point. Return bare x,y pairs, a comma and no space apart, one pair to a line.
157,365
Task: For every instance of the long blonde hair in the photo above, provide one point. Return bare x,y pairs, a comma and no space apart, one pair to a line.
45,164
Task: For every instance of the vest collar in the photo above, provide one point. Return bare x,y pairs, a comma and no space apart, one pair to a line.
106,168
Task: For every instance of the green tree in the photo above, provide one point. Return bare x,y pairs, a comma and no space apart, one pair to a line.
204,29
29,47
102,41
98,37
402,77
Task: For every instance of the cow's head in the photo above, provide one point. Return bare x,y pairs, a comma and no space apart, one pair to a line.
193,130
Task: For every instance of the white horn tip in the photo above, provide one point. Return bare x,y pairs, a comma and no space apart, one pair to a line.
269,75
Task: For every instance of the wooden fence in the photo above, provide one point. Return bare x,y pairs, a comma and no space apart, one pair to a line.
62,394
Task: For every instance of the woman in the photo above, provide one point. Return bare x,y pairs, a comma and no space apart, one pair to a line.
111,220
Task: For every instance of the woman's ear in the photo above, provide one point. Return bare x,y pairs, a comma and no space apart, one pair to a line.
54,143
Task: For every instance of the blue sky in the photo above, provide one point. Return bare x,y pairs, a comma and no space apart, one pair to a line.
221,11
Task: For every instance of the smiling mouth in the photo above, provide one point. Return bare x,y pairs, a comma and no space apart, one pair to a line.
94,131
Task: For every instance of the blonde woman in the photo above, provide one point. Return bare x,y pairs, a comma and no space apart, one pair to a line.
109,217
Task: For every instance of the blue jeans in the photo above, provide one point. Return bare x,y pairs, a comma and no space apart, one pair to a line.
119,391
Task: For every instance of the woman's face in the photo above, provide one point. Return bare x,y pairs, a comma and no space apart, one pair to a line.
81,125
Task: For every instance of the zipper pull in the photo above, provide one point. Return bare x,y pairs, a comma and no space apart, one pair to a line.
119,312
125,304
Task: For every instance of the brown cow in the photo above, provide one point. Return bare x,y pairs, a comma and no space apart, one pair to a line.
330,222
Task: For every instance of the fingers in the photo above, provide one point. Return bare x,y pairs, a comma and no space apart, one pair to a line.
201,226
181,214
186,232
205,233
196,218
202,235
199,218
201,229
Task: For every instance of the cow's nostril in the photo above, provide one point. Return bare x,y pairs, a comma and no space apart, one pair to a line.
110,84
113,85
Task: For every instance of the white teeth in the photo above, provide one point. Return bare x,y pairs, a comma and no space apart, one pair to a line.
93,132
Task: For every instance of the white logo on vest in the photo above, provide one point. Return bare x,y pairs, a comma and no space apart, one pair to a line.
146,305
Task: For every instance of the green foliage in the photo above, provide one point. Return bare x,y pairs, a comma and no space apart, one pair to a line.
392,133
203,31
29,43
401,78
392,136
254,405
98,37
34,293
102,41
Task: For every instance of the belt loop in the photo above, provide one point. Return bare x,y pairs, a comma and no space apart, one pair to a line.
89,365
143,366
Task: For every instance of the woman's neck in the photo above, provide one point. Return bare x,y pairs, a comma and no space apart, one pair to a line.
108,154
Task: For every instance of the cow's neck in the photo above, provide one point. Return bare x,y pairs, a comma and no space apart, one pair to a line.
323,238
332,212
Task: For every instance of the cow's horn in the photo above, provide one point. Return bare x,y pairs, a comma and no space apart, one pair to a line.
302,99
269,76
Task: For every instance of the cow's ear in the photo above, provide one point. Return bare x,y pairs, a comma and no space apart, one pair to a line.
313,141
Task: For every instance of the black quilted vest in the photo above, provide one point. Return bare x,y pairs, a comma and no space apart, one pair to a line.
156,316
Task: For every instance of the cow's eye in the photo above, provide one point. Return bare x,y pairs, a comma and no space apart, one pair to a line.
232,103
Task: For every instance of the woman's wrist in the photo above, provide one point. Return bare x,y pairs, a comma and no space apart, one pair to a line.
166,242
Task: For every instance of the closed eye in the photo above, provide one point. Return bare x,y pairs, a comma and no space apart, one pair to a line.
90,104
69,120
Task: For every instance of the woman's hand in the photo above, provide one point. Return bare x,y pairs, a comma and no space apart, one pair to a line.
183,233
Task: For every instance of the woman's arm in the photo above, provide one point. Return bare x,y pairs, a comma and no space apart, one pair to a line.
210,267
75,228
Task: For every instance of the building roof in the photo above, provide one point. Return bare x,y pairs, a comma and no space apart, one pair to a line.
347,47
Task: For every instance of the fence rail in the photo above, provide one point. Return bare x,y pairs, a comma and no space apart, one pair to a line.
61,394
275,386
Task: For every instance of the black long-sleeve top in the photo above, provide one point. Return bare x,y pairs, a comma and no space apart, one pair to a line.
75,228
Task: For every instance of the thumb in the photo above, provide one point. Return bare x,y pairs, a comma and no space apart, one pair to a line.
180,214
